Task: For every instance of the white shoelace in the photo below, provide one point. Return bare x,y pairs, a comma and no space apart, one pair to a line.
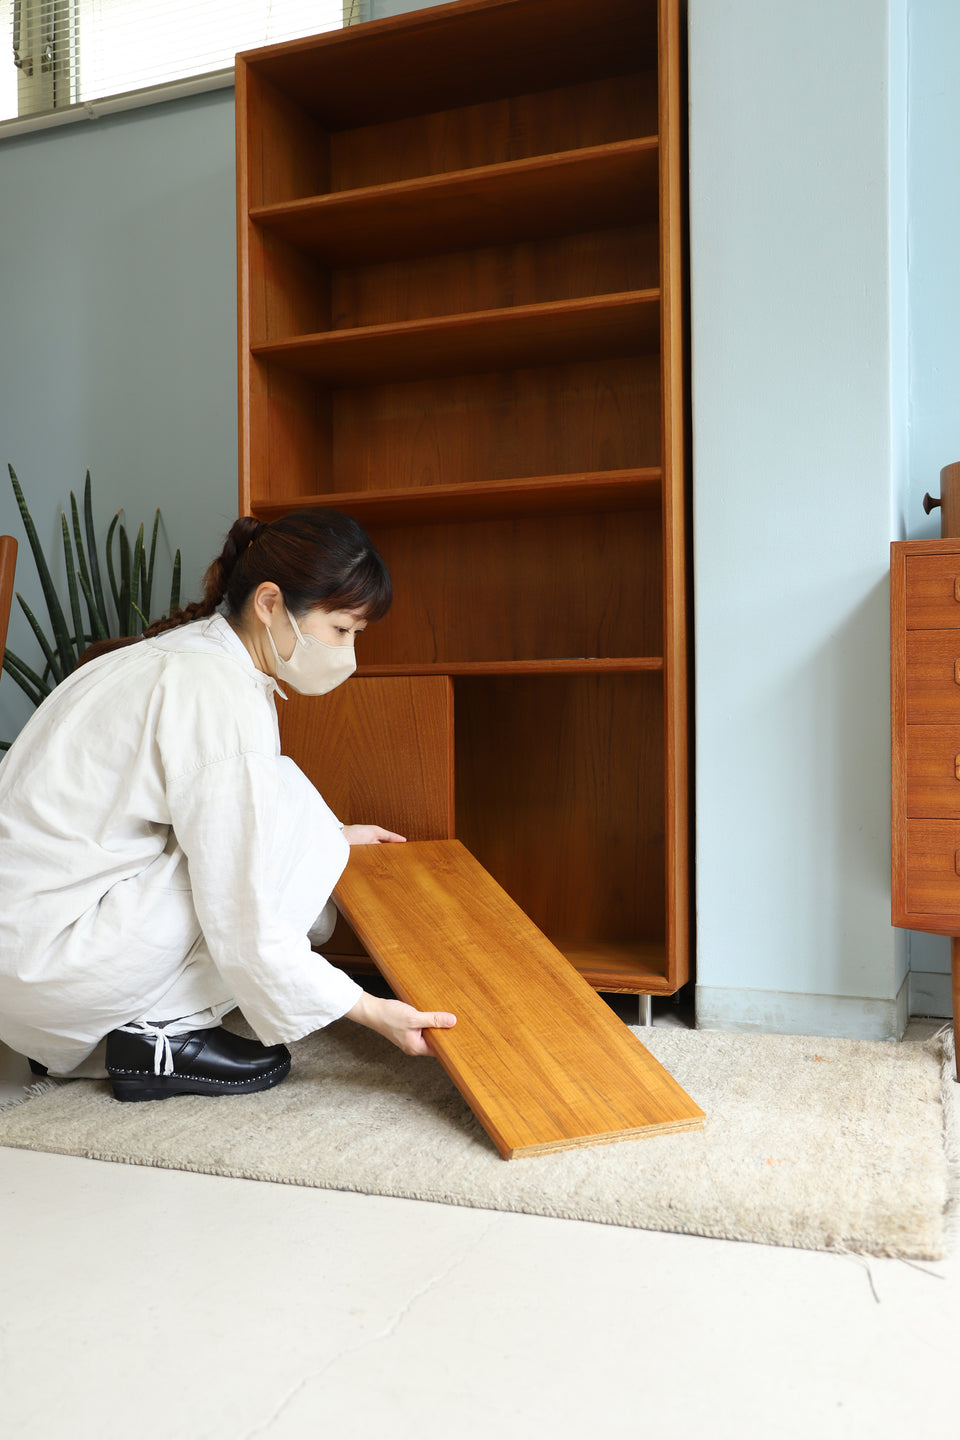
162,1051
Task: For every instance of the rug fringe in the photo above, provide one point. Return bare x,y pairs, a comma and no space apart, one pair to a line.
30,1092
943,1044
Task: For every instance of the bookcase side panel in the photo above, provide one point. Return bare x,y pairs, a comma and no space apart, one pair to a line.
676,546
289,435
288,152
289,291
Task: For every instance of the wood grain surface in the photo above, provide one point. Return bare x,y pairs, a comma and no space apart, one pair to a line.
380,751
474,53
463,295
555,419
8,564
540,1059
592,492
550,587
626,323
487,205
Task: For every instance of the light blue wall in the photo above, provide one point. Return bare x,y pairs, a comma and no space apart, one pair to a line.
118,331
797,305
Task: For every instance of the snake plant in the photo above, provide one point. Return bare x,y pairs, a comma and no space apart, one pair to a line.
130,577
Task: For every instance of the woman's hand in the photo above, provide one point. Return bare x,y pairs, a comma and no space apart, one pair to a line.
400,1023
369,835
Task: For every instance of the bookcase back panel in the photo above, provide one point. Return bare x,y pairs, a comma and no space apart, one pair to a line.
598,263
560,796
597,112
540,587
549,420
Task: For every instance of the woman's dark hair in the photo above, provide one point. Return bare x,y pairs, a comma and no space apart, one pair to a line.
316,557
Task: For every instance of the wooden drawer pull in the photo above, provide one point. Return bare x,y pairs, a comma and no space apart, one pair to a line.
956,589
956,861
956,768
956,671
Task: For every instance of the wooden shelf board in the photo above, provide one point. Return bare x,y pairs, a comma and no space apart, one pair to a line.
626,968
626,323
590,492
570,191
625,665
543,1063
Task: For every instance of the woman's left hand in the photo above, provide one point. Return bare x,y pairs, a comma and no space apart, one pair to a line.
401,1024
369,835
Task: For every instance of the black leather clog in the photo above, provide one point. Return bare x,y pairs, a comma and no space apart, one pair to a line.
205,1062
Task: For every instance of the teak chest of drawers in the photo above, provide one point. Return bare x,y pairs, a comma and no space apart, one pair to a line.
925,733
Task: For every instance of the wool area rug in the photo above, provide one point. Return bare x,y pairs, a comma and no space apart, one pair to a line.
821,1144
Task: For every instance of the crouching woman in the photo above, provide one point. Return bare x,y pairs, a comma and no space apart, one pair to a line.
161,862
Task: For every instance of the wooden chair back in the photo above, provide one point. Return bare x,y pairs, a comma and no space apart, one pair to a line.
8,565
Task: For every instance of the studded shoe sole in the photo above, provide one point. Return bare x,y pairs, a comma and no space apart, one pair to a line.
144,1063
144,1085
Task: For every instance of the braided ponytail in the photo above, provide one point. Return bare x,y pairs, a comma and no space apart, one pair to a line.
216,581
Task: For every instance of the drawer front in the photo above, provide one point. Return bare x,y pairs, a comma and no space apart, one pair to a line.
933,591
933,771
933,867
933,677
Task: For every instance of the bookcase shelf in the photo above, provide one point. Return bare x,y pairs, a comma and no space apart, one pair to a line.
461,320
534,495
544,195
582,665
515,338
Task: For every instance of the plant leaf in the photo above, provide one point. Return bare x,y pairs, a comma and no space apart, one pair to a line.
136,574
148,587
30,683
94,559
73,592
125,590
96,624
114,588
175,586
83,573
58,620
53,665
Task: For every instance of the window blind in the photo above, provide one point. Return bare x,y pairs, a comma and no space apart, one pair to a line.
63,55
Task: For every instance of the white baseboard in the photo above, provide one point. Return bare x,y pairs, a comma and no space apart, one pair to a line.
931,993
783,1012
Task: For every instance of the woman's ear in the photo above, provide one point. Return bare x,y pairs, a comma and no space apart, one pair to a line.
267,601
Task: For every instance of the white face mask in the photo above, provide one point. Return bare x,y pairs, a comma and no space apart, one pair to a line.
314,668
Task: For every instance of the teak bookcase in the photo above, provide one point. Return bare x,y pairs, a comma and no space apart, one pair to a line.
461,322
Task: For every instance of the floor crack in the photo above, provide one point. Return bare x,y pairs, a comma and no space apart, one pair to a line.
385,1333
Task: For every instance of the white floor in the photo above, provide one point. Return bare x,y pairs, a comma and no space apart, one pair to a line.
152,1303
